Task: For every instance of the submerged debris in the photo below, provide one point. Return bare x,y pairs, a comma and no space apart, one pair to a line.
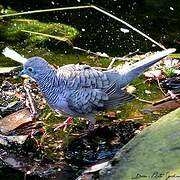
172,84
12,140
19,133
29,166
101,144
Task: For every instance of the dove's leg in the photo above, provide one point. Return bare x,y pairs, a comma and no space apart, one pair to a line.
65,124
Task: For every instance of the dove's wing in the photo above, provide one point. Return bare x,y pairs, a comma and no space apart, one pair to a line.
83,76
116,96
90,90
88,100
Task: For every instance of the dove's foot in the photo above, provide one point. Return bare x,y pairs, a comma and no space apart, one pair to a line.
65,124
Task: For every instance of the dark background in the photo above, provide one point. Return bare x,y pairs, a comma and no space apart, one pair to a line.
160,19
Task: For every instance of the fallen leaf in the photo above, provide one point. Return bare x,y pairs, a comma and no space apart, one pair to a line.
97,167
168,105
14,120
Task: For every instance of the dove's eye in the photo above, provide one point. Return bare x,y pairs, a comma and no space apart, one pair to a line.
29,69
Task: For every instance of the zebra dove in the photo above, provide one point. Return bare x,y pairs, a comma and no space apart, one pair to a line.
81,91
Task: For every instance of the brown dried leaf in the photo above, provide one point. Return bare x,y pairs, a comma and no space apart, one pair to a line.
15,120
168,105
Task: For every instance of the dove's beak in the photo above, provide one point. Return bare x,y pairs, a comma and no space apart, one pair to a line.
23,73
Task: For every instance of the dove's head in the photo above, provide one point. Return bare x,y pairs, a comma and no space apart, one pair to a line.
35,67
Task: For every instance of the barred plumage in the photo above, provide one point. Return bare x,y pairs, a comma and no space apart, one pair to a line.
80,90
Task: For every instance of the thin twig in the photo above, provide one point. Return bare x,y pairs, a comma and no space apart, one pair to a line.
65,39
131,53
157,102
164,99
102,55
29,100
45,10
160,87
143,100
124,58
111,63
134,118
113,59
93,53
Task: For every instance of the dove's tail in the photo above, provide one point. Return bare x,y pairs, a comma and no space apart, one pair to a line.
138,68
